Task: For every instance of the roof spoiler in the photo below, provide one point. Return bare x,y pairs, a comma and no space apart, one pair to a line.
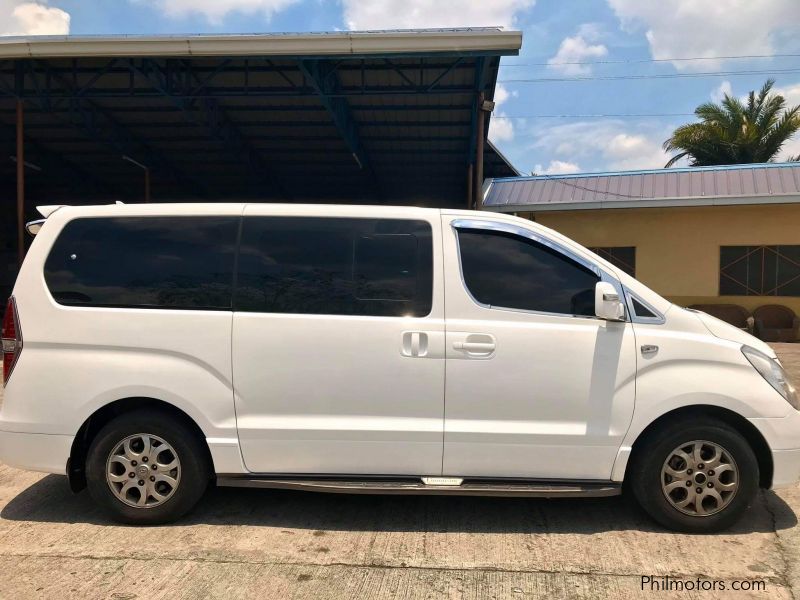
48,210
34,227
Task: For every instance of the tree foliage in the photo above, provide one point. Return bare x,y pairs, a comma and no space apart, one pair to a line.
734,132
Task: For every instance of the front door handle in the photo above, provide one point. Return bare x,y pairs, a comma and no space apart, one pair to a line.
475,347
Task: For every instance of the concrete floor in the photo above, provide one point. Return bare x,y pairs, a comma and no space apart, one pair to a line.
265,544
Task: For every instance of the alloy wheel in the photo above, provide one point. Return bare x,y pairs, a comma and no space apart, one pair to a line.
699,478
143,470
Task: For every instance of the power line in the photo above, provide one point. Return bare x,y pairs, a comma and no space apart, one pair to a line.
577,186
654,76
649,60
594,116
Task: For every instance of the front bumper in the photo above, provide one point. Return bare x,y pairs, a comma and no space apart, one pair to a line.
783,437
786,465
36,451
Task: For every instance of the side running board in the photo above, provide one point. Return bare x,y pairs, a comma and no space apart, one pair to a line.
433,485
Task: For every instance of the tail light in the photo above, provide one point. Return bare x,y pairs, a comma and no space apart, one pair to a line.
12,339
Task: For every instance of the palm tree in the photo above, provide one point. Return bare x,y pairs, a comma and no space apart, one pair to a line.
733,132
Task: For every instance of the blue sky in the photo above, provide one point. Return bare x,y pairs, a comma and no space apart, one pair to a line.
544,126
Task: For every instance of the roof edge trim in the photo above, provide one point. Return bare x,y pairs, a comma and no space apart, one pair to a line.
487,41
662,171
645,203
493,147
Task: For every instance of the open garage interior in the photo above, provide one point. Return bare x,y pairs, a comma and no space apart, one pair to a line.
378,117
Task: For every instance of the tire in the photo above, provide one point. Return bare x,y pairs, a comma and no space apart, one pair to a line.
169,493
665,452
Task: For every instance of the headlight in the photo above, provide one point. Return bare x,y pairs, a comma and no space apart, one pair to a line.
771,370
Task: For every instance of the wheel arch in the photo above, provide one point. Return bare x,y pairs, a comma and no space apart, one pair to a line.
99,418
749,431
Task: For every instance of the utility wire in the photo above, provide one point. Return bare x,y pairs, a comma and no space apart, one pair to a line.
594,116
560,181
654,76
649,60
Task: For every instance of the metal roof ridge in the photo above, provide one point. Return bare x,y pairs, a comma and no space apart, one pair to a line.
662,171
259,34
491,40
648,202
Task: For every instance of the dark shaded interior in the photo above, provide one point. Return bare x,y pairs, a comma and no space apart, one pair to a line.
396,129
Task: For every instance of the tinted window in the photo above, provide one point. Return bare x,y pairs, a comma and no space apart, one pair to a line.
641,310
379,267
508,271
161,262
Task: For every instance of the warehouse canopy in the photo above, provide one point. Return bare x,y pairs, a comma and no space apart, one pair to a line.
390,116
768,183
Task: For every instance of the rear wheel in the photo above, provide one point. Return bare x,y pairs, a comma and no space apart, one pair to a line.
695,475
146,467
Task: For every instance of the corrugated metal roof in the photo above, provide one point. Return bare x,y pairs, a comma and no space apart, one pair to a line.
386,117
692,186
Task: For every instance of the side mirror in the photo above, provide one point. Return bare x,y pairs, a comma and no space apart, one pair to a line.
607,303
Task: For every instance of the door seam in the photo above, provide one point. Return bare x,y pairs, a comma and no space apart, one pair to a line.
444,329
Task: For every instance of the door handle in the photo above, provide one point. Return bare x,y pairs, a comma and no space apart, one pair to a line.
649,350
414,344
476,347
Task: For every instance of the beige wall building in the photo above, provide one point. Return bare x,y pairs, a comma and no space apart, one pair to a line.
719,235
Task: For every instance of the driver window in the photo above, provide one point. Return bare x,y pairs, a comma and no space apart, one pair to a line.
503,270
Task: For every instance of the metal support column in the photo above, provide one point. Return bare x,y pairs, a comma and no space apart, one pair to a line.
479,153
470,181
146,170
20,182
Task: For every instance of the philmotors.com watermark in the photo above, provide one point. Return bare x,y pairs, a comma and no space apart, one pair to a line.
651,583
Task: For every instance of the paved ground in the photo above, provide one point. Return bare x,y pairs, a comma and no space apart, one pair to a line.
264,544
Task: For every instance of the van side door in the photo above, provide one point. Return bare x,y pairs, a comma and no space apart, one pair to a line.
537,386
338,342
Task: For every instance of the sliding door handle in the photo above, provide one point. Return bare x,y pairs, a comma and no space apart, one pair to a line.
414,344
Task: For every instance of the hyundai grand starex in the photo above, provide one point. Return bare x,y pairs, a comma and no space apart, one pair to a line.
152,350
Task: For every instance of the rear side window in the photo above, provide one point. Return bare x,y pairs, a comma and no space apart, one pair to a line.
507,271
144,262
337,266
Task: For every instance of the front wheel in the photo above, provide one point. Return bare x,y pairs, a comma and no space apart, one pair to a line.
696,476
146,468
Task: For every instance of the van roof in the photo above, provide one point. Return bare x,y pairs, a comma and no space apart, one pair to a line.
228,208
173,208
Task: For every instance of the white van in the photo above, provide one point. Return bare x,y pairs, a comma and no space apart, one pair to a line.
152,349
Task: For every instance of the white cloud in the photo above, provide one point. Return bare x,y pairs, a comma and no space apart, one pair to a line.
791,149
792,95
408,14
557,167
689,28
722,90
501,128
215,11
635,151
608,144
578,48
501,94
32,18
